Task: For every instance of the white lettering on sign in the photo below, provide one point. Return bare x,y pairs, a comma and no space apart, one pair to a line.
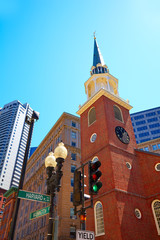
34,196
81,235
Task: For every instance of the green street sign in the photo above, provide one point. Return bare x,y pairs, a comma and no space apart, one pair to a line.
33,196
39,213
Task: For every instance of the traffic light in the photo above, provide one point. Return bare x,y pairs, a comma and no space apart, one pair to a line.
77,192
94,175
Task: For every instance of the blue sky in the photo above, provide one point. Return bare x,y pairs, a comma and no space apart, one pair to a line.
46,52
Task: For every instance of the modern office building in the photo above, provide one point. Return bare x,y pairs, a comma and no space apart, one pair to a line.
128,204
15,126
32,149
66,129
146,124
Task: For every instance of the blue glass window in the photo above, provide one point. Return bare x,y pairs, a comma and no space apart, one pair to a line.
144,134
73,156
154,147
73,168
71,197
150,114
140,122
73,124
72,182
146,149
152,119
73,144
139,117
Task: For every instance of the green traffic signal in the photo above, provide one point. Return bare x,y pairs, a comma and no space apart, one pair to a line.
97,186
94,176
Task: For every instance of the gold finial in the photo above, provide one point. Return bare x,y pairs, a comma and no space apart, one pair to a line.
94,34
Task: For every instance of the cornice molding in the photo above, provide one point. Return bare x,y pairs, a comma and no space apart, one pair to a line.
103,92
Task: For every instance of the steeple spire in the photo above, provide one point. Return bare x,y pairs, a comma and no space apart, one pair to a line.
100,76
97,56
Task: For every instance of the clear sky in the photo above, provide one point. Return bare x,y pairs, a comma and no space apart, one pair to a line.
46,52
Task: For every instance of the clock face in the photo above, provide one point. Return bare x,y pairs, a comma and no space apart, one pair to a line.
122,134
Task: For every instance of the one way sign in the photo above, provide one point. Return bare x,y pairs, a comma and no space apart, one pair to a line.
84,235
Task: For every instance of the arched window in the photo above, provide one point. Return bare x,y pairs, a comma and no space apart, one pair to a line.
117,113
156,214
99,221
91,116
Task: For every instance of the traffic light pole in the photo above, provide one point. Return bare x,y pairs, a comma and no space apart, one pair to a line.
82,211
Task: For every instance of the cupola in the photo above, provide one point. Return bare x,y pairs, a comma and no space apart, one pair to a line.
100,77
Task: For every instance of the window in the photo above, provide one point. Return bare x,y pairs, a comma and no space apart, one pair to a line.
155,131
129,166
73,144
72,232
91,116
144,134
150,114
158,145
73,168
157,167
142,128
93,137
137,213
71,197
140,122
72,182
154,125
154,147
73,156
95,159
99,221
73,124
156,214
73,134
152,119
117,113
72,216
146,149
139,117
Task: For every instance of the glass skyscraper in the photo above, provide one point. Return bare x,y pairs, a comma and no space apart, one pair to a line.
14,130
146,124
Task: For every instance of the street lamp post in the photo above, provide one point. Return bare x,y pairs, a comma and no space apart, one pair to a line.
53,164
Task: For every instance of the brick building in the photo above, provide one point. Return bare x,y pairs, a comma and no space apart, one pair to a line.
128,204
67,129
10,197
2,205
150,146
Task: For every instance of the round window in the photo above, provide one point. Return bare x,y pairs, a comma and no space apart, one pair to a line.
93,137
137,213
157,167
128,165
94,159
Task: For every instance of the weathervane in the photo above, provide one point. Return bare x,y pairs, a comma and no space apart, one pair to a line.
94,34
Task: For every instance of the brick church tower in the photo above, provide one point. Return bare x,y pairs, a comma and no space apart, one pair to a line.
127,206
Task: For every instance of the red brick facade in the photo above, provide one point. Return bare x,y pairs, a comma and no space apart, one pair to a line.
124,189
8,212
